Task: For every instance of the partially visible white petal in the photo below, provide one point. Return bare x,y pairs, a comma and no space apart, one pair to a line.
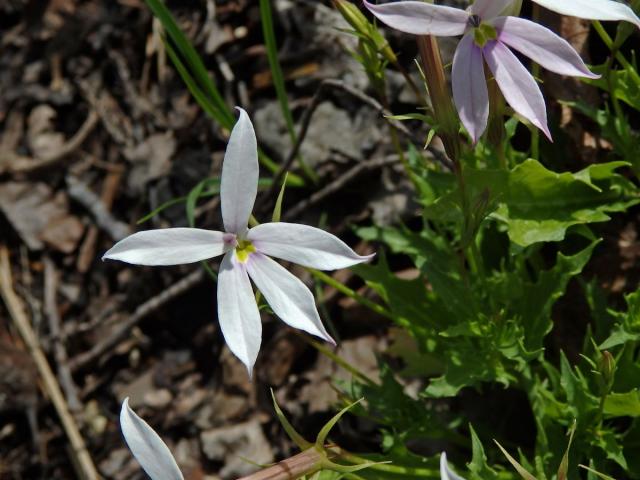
237,311
488,9
592,9
169,246
304,245
517,85
421,18
445,472
541,45
469,87
239,182
288,297
146,445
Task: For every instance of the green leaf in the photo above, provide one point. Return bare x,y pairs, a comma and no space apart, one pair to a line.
478,466
277,209
266,19
629,328
195,75
192,200
609,442
623,404
538,205
519,468
596,473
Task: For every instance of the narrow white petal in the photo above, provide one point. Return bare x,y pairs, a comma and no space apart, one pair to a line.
168,246
421,18
445,472
237,311
518,86
541,45
146,445
592,9
304,245
288,297
239,182
488,9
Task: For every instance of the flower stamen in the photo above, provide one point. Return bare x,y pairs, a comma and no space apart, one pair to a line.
244,248
483,33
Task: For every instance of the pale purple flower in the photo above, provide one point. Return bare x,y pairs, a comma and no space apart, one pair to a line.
246,254
592,9
487,36
445,472
147,447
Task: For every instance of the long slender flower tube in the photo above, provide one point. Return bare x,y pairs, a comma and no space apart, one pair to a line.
445,472
246,254
487,36
147,447
592,9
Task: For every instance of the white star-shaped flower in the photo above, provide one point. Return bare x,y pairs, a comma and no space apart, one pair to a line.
246,254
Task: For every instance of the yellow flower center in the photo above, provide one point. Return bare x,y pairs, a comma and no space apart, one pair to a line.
483,33
243,250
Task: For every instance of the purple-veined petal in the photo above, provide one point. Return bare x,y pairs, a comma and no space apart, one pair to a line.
305,245
421,18
237,311
517,85
445,472
239,182
592,9
152,453
470,87
488,9
169,246
288,297
541,45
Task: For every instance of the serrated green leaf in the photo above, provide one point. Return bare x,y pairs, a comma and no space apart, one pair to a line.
538,205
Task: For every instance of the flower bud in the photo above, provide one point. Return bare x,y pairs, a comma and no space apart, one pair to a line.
607,368
365,29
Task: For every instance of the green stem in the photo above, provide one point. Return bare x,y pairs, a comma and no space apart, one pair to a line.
618,55
613,47
413,472
332,282
327,352
395,469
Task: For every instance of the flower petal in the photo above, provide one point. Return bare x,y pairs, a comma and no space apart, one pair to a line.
168,246
519,88
237,311
488,9
421,18
304,245
445,472
239,182
146,445
541,45
287,296
470,87
592,9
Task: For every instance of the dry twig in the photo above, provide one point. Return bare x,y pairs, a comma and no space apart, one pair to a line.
29,165
140,313
308,114
81,193
87,252
338,183
82,461
59,350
